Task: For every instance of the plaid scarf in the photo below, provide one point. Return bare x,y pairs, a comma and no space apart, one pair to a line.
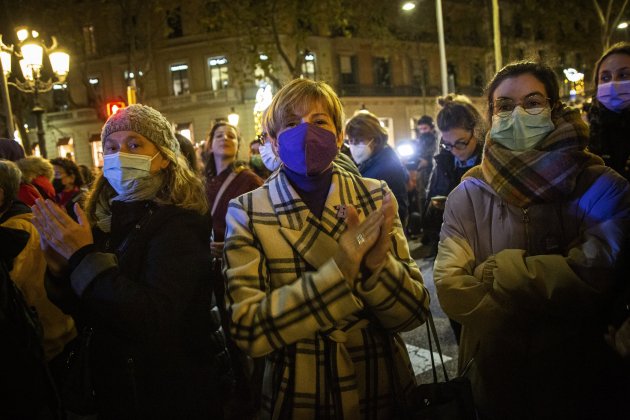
543,174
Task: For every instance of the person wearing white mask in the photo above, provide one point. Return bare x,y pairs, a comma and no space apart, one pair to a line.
609,115
527,252
135,272
367,141
269,157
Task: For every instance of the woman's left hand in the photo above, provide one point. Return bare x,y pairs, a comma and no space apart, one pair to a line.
60,232
376,255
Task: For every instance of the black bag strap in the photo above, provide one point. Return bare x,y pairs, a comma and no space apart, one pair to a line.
432,331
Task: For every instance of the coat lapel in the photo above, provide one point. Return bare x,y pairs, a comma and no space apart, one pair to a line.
314,240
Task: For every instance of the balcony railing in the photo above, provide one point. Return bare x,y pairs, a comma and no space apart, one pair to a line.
75,115
211,97
372,90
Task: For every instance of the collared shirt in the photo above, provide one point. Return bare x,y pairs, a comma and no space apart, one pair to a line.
471,161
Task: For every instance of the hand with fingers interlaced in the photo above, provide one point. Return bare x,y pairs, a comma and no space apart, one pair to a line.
60,235
365,242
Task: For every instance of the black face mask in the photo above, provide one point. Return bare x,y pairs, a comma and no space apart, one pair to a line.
58,185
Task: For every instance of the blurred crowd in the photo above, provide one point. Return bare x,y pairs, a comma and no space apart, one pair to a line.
178,281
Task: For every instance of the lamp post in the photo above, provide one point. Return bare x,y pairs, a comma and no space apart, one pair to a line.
409,6
33,78
233,117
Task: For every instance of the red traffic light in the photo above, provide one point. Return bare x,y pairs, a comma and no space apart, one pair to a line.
114,107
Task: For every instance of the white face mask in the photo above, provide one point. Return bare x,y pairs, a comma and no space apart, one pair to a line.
123,169
520,130
360,152
269,158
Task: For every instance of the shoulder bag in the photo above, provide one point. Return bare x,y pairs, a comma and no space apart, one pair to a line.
451,399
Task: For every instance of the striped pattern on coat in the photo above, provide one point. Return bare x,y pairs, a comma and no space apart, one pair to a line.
324,342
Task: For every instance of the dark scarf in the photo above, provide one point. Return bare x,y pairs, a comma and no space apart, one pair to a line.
543,174
313,190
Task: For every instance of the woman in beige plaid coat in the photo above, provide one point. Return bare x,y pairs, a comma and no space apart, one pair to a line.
319,274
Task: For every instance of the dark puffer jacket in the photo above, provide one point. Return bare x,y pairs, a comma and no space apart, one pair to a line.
610,137
147,294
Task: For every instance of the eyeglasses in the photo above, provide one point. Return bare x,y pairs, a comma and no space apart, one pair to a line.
533,104
458,145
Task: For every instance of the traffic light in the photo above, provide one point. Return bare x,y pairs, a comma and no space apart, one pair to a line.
114,106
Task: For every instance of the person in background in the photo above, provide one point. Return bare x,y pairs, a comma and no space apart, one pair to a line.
12,150
189,153
526,259
134,270
268,154
319,276
29,268
367,141
427,144
68,184
87,175
609,117
38,172
226,177
461,145
27,389
256,161
609,114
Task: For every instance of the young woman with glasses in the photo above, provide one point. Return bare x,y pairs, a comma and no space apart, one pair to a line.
527,250
462,131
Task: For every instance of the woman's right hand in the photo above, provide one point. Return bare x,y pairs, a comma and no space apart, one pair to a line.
356,241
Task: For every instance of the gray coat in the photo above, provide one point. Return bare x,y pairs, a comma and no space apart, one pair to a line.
531,287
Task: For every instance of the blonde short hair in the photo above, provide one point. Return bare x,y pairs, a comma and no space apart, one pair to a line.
295,98
34,166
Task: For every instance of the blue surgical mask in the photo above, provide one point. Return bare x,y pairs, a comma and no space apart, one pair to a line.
614,95
123,170
520,130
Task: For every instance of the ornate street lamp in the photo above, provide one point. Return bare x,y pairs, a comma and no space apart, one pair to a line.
34,77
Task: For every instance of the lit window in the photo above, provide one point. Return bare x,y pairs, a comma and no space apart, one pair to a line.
179,79
308,66
218,70
60,97
89,41
348,69
185,129
382,71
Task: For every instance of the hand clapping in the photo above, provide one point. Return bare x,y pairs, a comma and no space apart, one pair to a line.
58,230
366,241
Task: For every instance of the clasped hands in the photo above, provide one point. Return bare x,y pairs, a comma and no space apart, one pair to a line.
60,235
366,242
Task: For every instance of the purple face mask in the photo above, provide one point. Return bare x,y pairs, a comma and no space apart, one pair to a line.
307,149
614,95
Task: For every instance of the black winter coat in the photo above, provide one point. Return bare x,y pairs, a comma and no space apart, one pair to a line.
445,176
149,307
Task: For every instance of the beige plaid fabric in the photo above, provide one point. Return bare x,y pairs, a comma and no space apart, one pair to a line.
325,357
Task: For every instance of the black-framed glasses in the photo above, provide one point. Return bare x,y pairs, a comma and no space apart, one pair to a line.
533,104
458,145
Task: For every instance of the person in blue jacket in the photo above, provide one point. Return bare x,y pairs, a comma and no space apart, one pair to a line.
367,140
